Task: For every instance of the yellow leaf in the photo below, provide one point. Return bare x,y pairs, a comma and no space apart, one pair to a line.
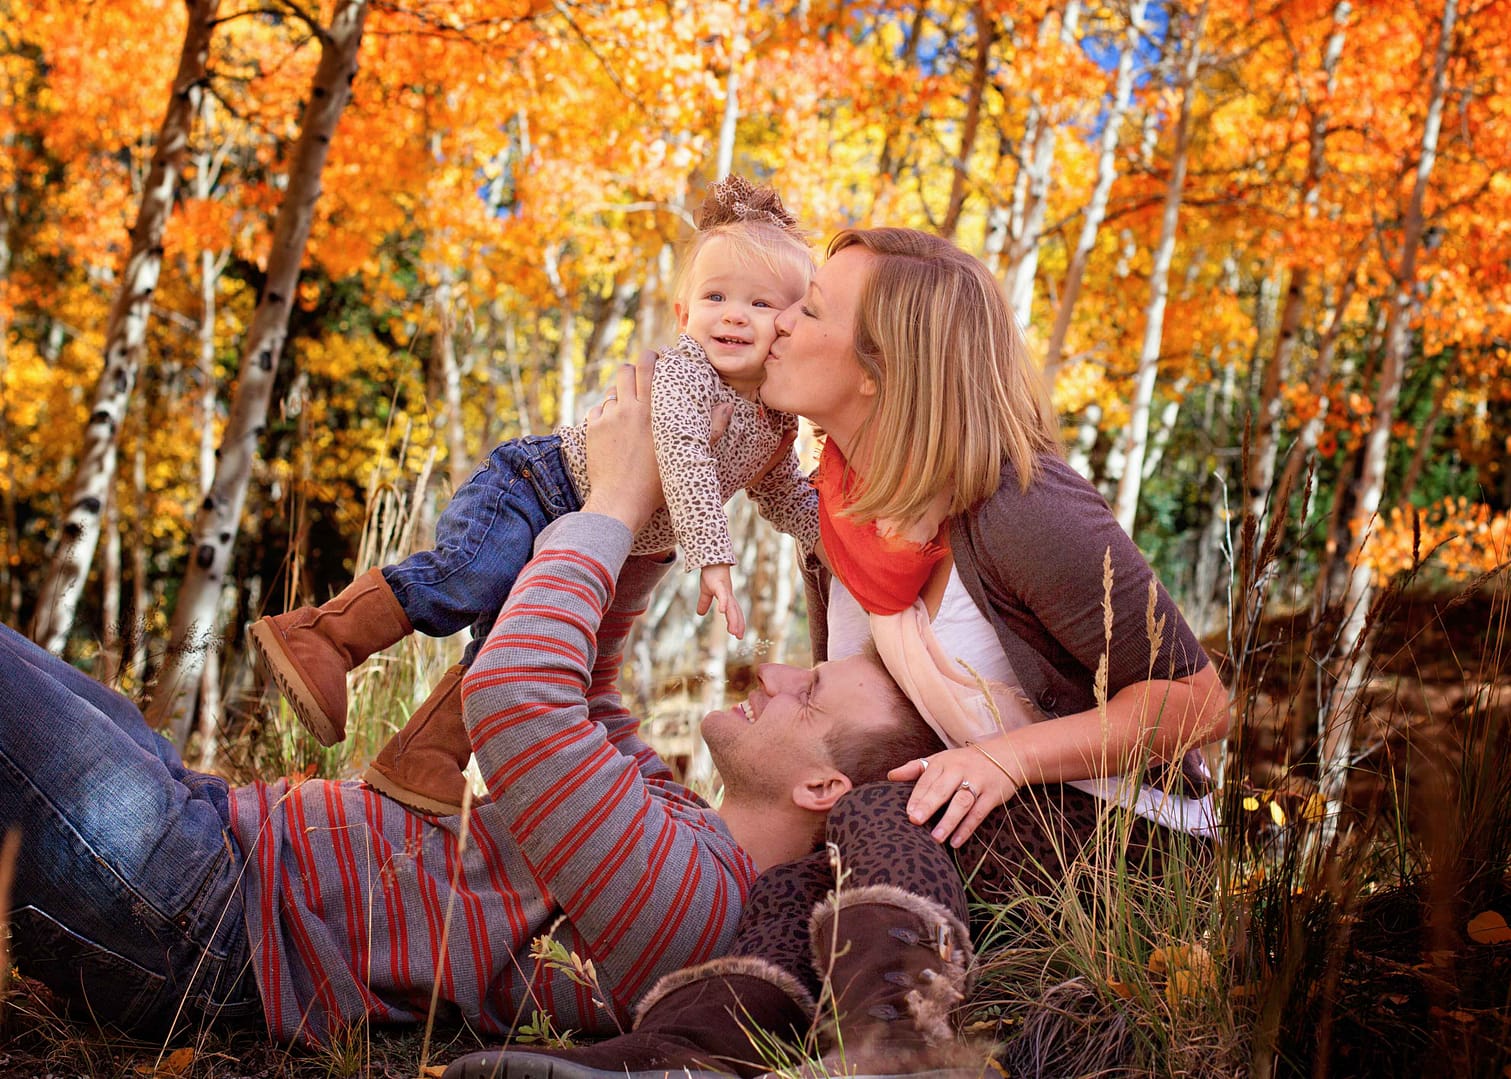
1489,928
1277,814
1251,803
1182,986
1315,809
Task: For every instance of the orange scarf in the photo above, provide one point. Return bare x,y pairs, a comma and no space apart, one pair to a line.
884,573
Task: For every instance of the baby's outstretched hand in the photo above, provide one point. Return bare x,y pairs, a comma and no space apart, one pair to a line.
717,589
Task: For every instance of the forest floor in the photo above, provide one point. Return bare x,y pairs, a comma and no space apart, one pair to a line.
1396,984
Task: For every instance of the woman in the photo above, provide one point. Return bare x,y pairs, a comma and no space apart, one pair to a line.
906,355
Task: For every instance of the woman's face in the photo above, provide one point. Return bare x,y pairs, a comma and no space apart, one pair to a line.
812,369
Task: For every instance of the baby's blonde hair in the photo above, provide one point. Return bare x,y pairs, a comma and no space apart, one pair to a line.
758,229
957,392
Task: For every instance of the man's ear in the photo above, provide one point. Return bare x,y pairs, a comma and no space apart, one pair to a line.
820,791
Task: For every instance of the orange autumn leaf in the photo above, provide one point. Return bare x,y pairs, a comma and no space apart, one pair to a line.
1489,928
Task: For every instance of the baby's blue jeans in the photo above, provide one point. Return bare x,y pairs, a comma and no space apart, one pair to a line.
483,539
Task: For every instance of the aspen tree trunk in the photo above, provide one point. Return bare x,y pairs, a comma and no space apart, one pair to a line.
730,122
1096,209
523,406
1424,439
1023,271
566,349
1165,429
1136,442
1267,423
611,312
135,651
10,583
458,461
78,531
887,159
700,769
219,516
207,168
1337,721
1322,370
986,33
109,668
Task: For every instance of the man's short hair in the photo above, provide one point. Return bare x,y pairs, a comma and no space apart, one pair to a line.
869,757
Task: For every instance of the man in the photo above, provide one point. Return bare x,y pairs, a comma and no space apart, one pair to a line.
150,895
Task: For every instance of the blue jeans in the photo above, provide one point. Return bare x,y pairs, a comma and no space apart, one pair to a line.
126,901
483,539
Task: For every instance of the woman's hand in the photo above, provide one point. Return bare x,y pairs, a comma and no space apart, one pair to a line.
965,782
623,479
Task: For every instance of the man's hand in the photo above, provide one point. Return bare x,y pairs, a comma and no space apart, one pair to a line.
623,479
716,588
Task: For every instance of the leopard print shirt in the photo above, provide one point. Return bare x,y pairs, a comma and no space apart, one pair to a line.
699,481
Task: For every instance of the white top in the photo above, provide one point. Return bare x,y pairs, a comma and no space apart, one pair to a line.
967,636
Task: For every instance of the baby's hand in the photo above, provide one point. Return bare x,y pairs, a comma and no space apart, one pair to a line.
716,588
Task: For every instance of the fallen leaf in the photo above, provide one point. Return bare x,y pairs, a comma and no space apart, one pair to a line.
1182,986
1458,1015
1489,928
174,1064
1121,989
1191,958
433,1071
1315,809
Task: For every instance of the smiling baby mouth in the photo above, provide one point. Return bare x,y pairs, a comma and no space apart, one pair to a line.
731,341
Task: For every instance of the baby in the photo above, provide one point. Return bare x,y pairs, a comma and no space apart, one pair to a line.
746,263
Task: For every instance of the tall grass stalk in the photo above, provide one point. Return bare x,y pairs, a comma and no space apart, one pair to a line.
10,851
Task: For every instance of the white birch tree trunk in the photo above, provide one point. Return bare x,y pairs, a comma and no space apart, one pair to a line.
1337,720
1264,449
10,583
78,531
566,348
108,669
1096,209
219,516
1023,272
1147,373
729,123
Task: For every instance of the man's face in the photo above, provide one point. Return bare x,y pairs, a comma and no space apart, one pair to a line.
764,743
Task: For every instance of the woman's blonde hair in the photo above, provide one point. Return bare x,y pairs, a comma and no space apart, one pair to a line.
958,395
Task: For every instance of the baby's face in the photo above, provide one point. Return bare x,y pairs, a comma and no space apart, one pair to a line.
731,311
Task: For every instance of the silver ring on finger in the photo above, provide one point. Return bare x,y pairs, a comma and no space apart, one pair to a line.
966,785
923,762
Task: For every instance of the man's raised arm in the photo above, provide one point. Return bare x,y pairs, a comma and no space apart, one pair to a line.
647,873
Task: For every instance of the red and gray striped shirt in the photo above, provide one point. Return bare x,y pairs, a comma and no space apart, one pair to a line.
357,907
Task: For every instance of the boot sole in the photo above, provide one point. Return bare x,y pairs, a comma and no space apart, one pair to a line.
392,788
519,1065
276,663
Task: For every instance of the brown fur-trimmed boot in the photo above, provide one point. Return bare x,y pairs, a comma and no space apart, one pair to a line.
309,650
693,1024
896,964
421,765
